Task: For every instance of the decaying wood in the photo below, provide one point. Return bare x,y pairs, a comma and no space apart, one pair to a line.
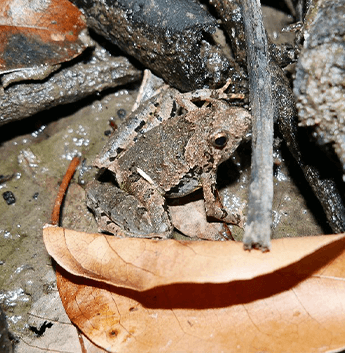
90,75
174,43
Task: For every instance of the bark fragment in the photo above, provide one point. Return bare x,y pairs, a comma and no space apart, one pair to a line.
69,84
319,83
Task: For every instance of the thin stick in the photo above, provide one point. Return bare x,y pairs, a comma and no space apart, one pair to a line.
81,340
258,230
63,187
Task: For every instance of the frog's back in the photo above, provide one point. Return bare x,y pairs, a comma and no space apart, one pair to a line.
159,154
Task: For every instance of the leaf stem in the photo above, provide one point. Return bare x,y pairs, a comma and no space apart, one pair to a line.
55,219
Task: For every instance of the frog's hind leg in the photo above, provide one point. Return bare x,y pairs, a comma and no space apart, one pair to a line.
123,214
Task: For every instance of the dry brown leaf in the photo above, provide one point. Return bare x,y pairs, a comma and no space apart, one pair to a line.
142,264
190,219
300,307
34,33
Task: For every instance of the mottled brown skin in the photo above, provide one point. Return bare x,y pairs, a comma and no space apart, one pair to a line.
173,159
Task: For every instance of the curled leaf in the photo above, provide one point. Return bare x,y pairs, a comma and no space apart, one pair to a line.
298,306
142,264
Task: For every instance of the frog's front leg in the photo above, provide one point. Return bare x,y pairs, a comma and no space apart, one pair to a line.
213,206
141,215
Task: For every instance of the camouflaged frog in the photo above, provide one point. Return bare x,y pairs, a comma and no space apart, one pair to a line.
171,159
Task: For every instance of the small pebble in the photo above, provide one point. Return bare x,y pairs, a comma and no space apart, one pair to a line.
121,113
9,197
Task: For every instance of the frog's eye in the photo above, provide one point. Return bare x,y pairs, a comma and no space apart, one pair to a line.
219,140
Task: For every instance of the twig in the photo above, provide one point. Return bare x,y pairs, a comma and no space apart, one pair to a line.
81,340
63,187
55,219
258,230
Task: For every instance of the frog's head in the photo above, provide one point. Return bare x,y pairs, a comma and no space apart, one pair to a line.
227,129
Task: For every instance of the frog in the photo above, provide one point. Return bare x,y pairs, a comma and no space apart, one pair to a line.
173,158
